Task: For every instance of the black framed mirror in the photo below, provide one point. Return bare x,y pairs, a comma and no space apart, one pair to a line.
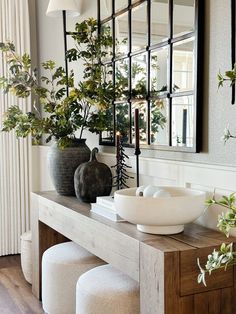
157,59
233,44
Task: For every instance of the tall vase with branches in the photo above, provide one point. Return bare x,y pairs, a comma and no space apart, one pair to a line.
54,114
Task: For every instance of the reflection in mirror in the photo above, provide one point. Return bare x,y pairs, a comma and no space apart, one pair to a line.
123,121
121,30
121,4
159,71
107,115
159,21
139,76
121,78
106,28
142,106
182,121
183,17
183,66
105,8
107,73
107,136
159,122
139,27
157,68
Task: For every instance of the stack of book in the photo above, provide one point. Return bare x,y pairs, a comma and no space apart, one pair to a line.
105,206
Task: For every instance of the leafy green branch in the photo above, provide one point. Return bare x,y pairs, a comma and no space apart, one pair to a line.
223,258
228,76
63,115
226,221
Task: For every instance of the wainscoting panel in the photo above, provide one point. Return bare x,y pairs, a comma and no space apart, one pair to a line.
205,177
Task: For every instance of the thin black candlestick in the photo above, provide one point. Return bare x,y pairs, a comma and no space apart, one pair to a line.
184,131
65,49
137,139
137,153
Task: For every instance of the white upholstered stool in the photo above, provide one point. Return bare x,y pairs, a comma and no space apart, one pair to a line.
26,255
62,265
106,290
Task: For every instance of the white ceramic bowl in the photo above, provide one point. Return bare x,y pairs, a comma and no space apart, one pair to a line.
164,215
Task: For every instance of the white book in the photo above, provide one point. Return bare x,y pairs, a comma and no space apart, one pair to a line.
106,201
105,212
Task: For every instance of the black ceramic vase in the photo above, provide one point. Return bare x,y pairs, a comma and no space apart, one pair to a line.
62,164
92,179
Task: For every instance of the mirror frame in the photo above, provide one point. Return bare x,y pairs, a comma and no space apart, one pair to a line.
233,44
197,92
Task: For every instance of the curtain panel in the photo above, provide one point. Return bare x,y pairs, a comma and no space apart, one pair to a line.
15,154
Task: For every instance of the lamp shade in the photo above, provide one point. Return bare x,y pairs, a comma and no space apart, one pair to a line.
55,7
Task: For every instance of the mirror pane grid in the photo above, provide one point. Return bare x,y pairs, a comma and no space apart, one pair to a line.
120,5
122,117
122,79
159,127
155,67
159,69
122,35
105,9
106,29
183,17
183,75
183,121
139,27
159,21
143,123
107,136
139,75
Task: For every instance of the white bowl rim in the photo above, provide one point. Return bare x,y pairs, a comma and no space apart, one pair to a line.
197,192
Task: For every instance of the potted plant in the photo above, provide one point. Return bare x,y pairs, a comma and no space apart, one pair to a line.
55,114
226,255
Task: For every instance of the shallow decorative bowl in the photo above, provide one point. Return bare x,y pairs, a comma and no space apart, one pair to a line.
163,215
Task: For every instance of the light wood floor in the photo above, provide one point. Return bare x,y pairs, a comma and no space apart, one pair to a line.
15,293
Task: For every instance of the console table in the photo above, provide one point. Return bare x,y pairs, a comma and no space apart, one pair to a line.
165,266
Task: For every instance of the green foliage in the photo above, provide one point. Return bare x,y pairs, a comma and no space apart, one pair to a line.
94,89
138,93
229,76
218,259
226,221
64,114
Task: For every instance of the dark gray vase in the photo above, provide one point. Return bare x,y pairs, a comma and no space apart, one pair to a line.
92,179
62,164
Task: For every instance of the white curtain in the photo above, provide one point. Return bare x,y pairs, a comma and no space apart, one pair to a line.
15,155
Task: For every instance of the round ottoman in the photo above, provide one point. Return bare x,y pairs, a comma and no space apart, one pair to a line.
106,290
26,255
62,265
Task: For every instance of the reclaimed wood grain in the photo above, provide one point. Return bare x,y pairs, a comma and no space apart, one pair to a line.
172,278
152,286
165,266
186,304
189,272
226,304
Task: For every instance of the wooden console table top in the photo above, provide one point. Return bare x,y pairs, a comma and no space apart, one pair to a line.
165,266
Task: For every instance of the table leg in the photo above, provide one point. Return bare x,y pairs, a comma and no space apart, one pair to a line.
43,237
